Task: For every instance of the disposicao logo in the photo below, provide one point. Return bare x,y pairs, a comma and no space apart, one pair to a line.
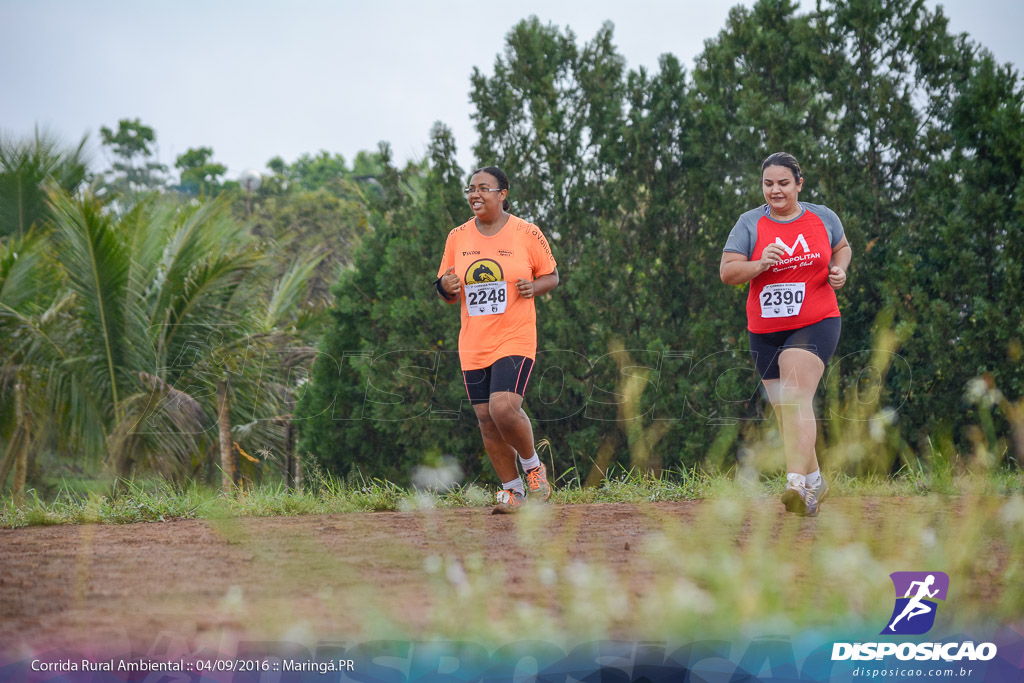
914,613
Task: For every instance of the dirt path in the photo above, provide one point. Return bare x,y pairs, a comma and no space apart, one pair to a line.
74,585
339,576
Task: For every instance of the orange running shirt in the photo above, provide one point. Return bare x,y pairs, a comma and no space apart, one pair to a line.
496,321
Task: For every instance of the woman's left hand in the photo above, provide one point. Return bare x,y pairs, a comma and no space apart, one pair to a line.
836,277
525,288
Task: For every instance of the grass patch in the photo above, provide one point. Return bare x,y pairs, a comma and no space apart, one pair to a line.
161,501
734,566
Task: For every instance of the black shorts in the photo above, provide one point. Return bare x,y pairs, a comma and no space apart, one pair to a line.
821,339
510,373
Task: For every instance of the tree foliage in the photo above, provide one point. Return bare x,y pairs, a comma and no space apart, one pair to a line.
144,313
123,310
199,173
134,168
386,382
26,166
913,135
317,205
123,307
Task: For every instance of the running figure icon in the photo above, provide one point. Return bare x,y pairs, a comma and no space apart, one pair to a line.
916,606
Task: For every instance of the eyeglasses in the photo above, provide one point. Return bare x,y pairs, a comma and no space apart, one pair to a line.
469,190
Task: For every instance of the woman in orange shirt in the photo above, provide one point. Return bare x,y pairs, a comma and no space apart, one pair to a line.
494,265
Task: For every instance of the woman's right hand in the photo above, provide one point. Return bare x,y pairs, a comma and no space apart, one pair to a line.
771,255
450,282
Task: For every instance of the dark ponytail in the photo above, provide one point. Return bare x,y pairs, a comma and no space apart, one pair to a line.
500,176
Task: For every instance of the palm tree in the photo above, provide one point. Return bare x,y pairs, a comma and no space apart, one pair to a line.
26,167
28,282
153,300
30,305
159,306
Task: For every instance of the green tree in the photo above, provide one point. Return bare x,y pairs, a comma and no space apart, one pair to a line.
327,171
311,172
388,360
312,222
957,271
134,168
755,90
543,115
642,175
317,205
26,166
546,117
162,303
199,173
30,298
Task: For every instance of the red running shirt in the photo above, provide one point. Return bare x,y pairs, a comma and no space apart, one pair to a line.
793,293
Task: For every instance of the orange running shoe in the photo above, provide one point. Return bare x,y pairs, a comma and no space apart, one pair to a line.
508,502
537,483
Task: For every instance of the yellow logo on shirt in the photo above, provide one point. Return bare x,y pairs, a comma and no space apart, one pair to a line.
484,270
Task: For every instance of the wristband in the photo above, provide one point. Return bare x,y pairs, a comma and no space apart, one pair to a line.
440,290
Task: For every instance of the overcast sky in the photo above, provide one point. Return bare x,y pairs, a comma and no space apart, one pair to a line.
257,79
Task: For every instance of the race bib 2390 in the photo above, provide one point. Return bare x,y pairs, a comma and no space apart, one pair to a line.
782,299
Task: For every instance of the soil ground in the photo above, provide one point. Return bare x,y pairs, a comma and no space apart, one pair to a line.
328,577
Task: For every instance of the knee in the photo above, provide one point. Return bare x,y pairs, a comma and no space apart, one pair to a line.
503,414
793,395
487,426
800,372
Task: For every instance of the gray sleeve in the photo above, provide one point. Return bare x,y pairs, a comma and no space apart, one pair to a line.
833,225
744,234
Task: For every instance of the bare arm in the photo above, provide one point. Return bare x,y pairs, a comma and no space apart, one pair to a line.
735,269
840,263
542,285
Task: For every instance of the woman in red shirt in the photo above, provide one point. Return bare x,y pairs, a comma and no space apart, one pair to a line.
794,255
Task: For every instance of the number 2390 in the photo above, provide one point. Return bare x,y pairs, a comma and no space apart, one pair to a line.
782,298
